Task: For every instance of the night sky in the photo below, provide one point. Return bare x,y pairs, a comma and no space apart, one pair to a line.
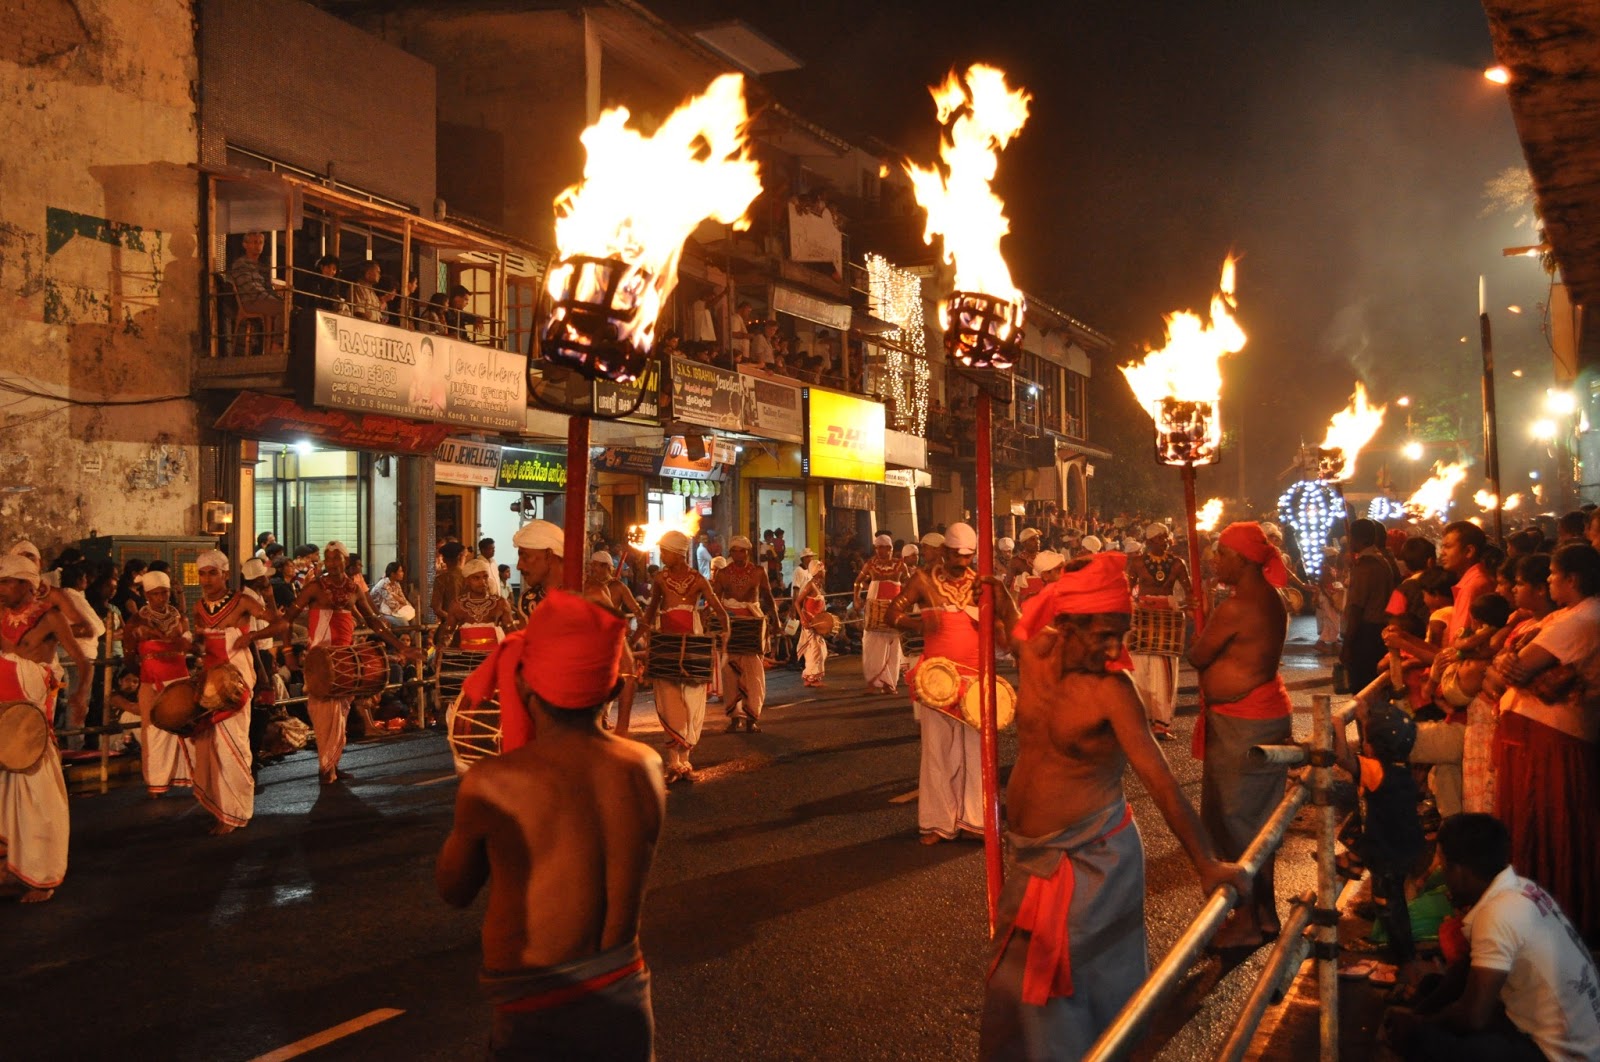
1341,150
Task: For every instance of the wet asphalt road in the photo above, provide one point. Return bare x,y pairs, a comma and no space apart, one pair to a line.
792,914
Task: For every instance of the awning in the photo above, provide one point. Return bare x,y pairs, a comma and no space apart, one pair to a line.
275,417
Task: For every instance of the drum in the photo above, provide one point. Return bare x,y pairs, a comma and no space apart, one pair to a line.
823,625
177,708
937,682
339,671
223,689
878,614
1156,631
747,636
1005,705
480,637
24,733
1293,600
679,657
472,732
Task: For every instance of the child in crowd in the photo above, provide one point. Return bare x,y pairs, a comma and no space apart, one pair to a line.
1458,670
1330,602
1391,840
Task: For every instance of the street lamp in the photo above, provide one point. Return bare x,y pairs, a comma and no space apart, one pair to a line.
1559,403
1544,429
1412,451
1499,75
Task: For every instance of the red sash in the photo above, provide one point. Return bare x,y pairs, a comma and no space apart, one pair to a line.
160,663
1270,700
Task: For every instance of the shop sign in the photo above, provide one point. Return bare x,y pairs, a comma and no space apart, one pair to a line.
531,470
772,410
907,477
259,416
704,394
628,461
905,450
844,437
677,464
466,464
808,308
373,368
611,399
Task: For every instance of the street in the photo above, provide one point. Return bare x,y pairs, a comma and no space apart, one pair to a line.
792,913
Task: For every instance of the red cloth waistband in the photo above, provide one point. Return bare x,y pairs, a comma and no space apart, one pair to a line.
557,997
1270,700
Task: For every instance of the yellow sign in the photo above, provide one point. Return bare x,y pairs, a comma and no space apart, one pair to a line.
844,437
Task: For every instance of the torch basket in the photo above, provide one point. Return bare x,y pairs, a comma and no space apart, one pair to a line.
1188,433
593,315
982,331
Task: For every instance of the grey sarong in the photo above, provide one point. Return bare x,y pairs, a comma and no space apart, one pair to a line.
1106,942
573,1020
1237,794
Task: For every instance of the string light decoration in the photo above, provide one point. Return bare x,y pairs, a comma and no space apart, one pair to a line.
895,295
1384,508
1310,507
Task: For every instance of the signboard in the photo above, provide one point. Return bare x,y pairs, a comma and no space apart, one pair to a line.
629,461
810,308
611,399
905,450
259,416
844,437
772,410
373,368
704,394
677,463
531,470
466,464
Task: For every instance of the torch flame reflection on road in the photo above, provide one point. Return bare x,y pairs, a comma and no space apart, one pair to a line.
1351,429
1206,519
1433,497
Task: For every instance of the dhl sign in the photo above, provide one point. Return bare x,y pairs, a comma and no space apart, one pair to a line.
844,437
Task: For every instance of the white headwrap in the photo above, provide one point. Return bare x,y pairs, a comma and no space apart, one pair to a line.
882,540
908,550
1047,560
335,547
1092,543
24,548
933,538
601,557
738,542
1156,531
157,581
254,568
961,538
17,566
718,563
1005,545
213,558
675,542
1027,534
476,566
541,534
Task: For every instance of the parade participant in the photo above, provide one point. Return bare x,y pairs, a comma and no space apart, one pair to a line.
675,599
932,551
1243,703
1028,543
333,606
746,595
255,583
540,548
810,603
603,587
482,618
1048,568
225,622
158,633
307,560
449,582
35,821
1004,550
1157,577
882,655
910,559
562,830
1070,945
950,794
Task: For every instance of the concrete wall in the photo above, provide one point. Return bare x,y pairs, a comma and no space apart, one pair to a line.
98,269
286,80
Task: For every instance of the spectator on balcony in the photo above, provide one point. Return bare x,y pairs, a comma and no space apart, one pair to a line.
743,326
321,289
433,314
405,310
761,339
365,301
252,280
458,322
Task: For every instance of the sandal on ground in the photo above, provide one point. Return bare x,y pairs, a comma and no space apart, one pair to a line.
1359,970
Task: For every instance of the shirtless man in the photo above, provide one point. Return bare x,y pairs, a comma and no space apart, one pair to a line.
602,586
1079,725
482,617
34,817
746,595
1157,575
228,624
333,604
540,548
1244,703
882,655
563,830
675,599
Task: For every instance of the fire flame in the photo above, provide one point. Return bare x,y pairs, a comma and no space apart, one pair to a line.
1433,497
648,536
1189,366
1206,519
1485,500
1511,502
641,196
1352,428
960,204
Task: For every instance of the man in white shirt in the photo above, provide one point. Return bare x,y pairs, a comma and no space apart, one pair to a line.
1530,990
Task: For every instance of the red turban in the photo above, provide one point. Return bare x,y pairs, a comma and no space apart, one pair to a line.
570,654
1250,542
1099,586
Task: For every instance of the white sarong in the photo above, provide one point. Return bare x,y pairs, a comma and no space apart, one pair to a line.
882,658
950,787
35,823
1156,678
744,685
164,757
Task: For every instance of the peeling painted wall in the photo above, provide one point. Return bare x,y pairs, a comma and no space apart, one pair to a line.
99,275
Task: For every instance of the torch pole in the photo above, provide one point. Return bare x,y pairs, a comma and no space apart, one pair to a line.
577,522
1197,586
1491,431
988,733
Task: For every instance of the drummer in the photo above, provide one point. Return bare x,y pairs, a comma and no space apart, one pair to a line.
333,604
602,586
882,655
747,596
1158,578
675,598
810,605
950,793
482,617
34,817
158,634
229,623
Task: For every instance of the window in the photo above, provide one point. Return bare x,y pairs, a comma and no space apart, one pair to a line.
522,302
1077,385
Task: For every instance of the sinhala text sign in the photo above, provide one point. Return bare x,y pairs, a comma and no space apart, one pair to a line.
844,437
531,470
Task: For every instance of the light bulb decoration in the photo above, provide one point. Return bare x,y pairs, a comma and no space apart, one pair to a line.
1311,507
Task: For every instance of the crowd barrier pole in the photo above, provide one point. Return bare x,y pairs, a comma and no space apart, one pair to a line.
1288,952
1327,912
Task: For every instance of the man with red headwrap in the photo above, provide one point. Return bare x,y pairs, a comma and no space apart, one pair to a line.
1244,703
1070,944
562,830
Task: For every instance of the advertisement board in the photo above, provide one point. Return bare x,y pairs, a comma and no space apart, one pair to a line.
466,464
706,395
611,399
373,368
531,470
259,416
772,410
844,437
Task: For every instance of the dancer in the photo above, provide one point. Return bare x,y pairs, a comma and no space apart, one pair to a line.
882,655
158,634
604,588
746,595
810,605
1158,578
675,599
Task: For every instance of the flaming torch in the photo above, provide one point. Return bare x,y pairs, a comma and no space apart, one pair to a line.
1211,512
1180,386
1350,429
982,330
620,234
1433,497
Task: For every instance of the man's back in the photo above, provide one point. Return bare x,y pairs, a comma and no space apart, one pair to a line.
571,822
